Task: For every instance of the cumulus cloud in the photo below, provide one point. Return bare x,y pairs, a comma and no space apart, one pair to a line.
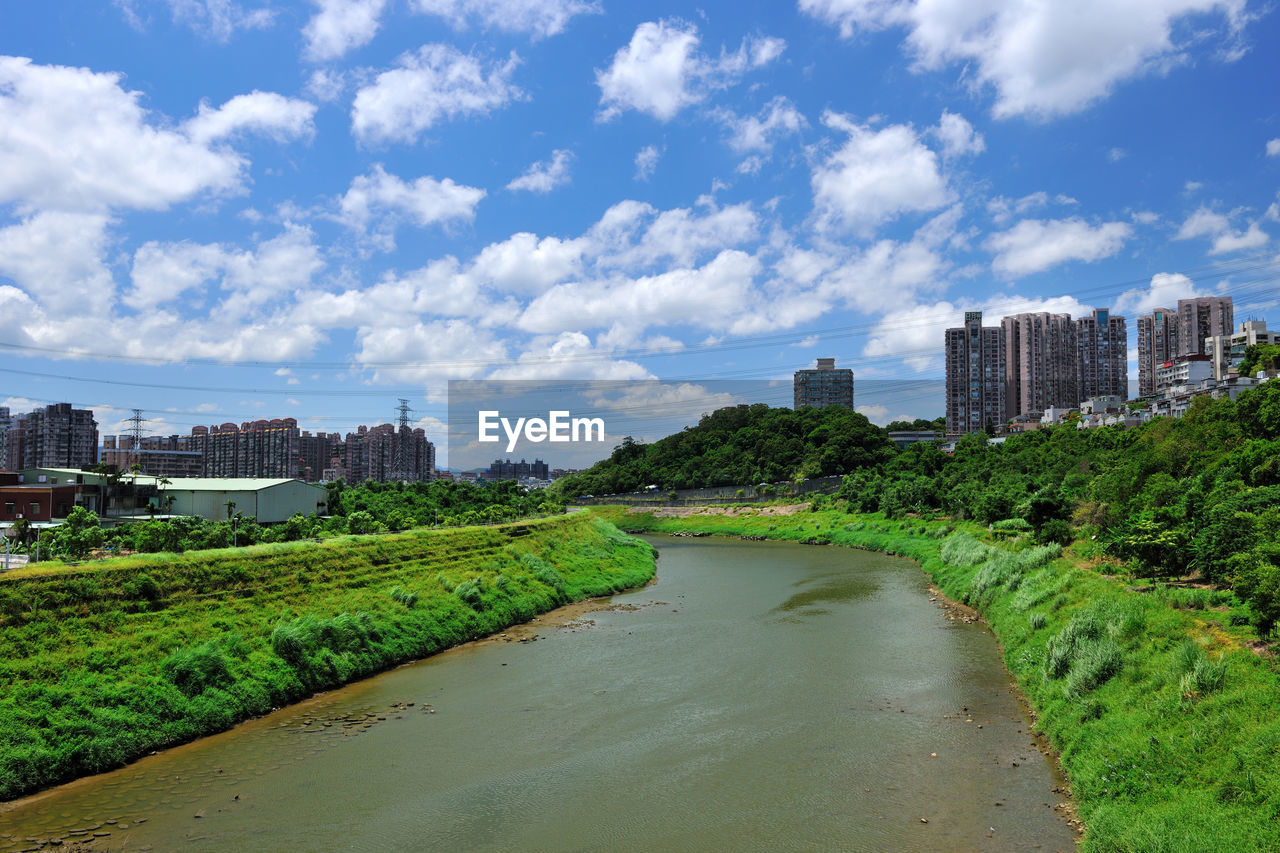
708,296
436,83
543,176
957,136
1273,147
265,113
661,71
1044,59
539,18
875,177
524,264
73,139
1164,291
339,26
1205,222
646,161
59,259
377,203
1034,245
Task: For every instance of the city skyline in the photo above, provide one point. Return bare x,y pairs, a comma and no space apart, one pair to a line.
240,210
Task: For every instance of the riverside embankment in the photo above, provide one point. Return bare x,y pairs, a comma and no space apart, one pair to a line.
1165,722
105,662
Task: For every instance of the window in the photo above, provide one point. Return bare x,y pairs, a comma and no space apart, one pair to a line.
35,507
8,508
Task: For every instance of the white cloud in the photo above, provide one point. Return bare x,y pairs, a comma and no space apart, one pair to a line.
1273,147
266,113
1115,155
437,83
326,84
957,136
1164,291
432,351
875,177
1034,245
1251,238
759,133
660,72
1208,223
214,19
340,26
634,235
377,203
58,259
708,296
72,139
543,177
524,264
646,162
569,355
1044,59
246,280
539,18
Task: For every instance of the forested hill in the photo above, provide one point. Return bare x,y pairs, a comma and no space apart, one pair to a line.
737,446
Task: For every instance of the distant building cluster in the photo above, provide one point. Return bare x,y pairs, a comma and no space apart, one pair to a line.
1036,368
1030,363
505,469
823,386
63,437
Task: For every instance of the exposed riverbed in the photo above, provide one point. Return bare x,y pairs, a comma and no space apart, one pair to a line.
759,696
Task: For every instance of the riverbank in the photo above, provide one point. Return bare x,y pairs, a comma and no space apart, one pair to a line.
1164,721
103,663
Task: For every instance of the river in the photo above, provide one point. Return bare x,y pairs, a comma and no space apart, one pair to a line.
759,696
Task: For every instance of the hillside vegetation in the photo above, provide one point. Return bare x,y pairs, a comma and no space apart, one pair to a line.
739,445
1164,721
102,663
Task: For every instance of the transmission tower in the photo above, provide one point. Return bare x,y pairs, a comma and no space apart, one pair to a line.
135,430
402,442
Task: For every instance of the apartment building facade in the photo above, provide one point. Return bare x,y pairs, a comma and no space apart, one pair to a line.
1102,355
57,436
822,386
1040,354
975,374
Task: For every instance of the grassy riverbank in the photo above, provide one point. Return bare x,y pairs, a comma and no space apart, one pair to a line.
1165,722
102,663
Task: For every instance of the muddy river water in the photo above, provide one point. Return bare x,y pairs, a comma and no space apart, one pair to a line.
759,696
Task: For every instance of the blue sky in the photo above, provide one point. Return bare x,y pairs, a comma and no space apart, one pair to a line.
221,210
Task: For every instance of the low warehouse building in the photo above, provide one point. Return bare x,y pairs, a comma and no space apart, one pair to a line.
267,500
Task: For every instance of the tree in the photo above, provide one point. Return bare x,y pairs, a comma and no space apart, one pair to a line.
231,507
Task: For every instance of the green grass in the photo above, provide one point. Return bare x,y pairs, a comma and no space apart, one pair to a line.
1166,725
102,663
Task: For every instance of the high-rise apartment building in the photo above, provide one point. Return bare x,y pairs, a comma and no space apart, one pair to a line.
315,454
1164,335
1040,355
1102,356
56,436
823,386
1157,343
1200,318
252,449
975,376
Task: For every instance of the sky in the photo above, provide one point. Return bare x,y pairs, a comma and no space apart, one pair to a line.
226,210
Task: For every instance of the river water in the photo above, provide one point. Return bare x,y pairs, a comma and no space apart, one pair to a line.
759,696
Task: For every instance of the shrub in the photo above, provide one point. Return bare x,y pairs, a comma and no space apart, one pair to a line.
964,551
1055,530
198,668
470,592
1037,620
400,596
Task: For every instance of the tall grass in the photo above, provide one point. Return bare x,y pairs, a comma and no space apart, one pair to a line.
102,663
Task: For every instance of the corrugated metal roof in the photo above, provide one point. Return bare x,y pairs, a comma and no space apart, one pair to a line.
228,484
